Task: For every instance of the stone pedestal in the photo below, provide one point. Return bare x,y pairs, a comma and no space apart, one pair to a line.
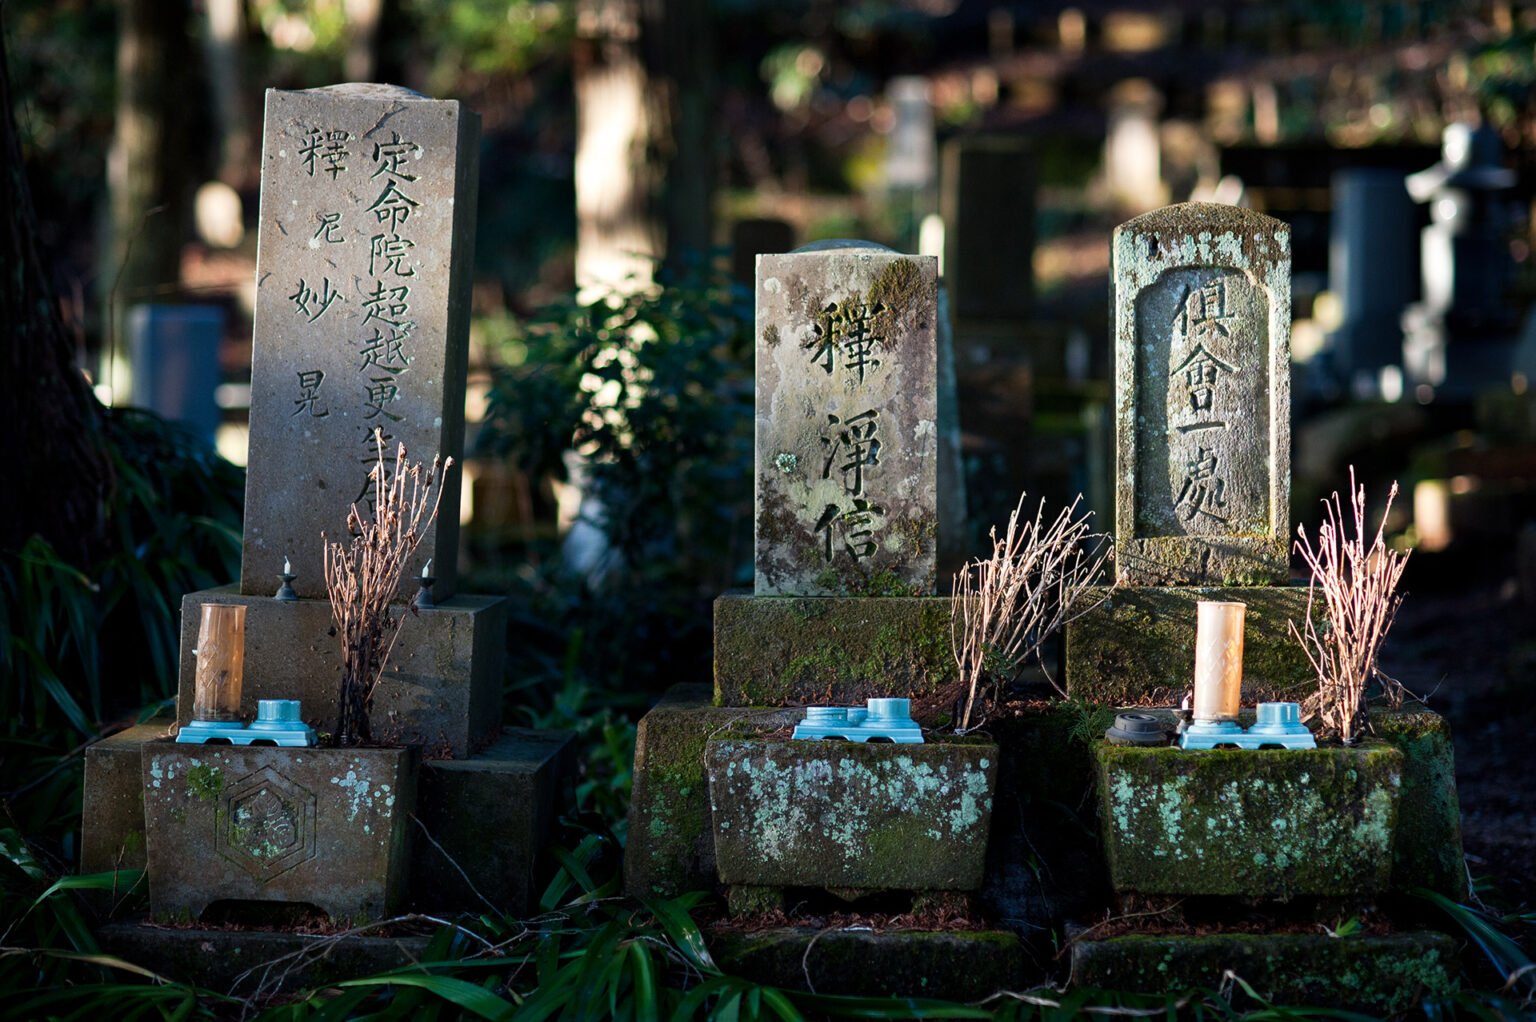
112,812
484,821
831,650
441,688
1386,976
1137,647
323,827
838,815
1253,824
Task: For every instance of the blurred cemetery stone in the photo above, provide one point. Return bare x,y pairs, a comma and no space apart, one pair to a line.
911,161
1132,146
1460,337
1371,268
175,358
366,243
757,236
988,203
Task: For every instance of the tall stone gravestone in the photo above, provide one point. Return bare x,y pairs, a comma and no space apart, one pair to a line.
847,421
1202,314
366,246
362,302
1202,324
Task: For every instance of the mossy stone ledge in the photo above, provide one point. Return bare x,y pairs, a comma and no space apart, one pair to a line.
670,846
831,650
1389,974
1268,824
838,814
960,966
1137,647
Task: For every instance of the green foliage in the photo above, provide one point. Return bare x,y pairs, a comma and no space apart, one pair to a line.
654,390
173,521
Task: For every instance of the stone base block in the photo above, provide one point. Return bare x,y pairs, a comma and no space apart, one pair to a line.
1138,646
247,962
1272,824
1388,975
112,812
831,650
670,846
441,689
957,966
484,821
323,827
836,814
1426,845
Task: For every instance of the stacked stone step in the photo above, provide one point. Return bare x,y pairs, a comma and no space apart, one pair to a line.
1201,312
365,254
850,467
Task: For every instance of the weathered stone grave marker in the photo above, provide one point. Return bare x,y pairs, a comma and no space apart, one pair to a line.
1202,307
1202,315
363,274
847,421
362,302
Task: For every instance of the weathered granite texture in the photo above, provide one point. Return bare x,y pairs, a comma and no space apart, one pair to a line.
238,962
1387,975
959,966
112,811
670,846
829,650
441,688
1260,825
324,827
1202,322
484,821
364,255
842,814
847,421
1138,645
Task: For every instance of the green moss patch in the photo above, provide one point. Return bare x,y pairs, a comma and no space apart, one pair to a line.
1426,850
1266,825
829,650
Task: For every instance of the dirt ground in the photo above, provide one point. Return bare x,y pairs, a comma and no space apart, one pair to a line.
1471,649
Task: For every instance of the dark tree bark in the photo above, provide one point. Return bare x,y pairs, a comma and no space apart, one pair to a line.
57,471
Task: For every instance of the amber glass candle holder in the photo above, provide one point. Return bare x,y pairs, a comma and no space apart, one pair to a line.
1218,660
220,663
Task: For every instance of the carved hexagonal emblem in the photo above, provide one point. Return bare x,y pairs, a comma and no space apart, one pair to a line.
266,824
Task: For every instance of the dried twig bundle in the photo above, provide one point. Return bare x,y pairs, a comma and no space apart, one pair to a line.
363,577
1006,606
1357,584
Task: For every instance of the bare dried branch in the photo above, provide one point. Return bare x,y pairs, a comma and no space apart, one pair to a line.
1357,585
1005,606
363,578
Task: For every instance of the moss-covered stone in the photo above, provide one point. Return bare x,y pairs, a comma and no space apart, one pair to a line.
112,813
1258,824
670,846
1426,847
1138,646
1381,974
772,650
964,966
840,814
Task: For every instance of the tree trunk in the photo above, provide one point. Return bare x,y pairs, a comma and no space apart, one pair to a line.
152,167
57,470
